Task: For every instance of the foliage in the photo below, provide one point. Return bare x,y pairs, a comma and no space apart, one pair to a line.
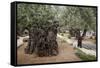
79,17
29,15
33,15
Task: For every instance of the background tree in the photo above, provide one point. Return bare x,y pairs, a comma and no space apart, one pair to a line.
83,18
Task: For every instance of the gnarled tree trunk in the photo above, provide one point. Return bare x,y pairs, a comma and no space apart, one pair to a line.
42,41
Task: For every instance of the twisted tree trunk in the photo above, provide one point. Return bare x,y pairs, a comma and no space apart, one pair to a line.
42,41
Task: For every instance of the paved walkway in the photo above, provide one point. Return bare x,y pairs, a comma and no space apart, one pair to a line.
89,45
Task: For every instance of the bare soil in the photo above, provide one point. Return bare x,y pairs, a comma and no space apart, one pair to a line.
66,54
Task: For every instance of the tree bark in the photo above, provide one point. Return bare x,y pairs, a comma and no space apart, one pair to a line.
42,41
84,32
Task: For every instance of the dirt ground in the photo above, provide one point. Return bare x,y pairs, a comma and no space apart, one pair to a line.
66,54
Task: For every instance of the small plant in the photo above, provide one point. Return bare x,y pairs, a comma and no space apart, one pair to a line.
62,34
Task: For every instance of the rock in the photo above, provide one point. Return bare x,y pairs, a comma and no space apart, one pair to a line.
75,44
19,41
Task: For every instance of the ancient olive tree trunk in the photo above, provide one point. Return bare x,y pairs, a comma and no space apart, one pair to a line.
42,40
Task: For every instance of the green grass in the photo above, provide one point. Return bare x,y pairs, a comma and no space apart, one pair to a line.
83,56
